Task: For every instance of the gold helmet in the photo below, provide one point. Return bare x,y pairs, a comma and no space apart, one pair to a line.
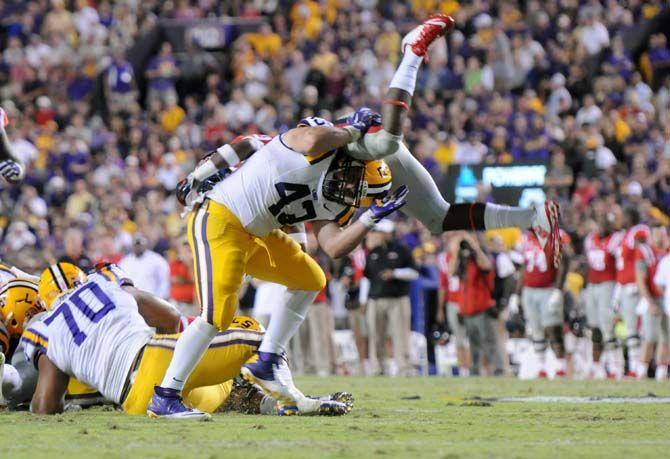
378,178
355,183
58,279
19,301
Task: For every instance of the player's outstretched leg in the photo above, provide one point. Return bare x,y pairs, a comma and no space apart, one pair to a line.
271,371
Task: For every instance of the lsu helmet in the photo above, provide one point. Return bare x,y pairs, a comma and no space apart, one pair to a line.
19,302
356,183
58,279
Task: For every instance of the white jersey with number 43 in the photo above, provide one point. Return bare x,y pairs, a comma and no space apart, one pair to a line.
278,186
92,333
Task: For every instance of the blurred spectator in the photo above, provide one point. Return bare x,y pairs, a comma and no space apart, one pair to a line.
182,286
476,272
148,270
162,73
389,267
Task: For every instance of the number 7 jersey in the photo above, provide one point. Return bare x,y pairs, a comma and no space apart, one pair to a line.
278,186
93,333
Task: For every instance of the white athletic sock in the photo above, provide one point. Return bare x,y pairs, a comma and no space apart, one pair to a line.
190,348
405,76
285,321
11,380
642,369
661,372
497,216
561,364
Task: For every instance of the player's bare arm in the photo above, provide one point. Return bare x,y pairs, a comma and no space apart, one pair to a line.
313,140
156,312
338,242
51,387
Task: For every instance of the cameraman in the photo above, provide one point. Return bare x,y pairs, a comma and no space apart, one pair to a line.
474,267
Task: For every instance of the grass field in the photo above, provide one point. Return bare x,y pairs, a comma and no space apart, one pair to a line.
418,417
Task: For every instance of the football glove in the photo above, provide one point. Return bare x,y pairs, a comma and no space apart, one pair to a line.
384,207
363,119
11,171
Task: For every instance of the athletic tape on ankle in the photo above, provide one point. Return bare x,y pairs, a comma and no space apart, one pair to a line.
397,103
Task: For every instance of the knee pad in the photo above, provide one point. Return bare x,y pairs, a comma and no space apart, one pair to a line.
556,341
381,143
539,345
221,315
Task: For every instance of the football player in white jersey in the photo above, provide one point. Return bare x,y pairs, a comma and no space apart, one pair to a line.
98,330
428,205
299,176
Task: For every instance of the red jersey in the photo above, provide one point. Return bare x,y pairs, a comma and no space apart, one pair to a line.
450,284
539,273
600,256
625,254
650,257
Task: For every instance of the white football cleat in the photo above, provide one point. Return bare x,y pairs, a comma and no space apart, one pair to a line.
272,374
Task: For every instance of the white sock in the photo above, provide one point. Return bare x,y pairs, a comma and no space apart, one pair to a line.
285,321
633,358
661,372
11,380
497,216
405,76
561,364
190,348
642,369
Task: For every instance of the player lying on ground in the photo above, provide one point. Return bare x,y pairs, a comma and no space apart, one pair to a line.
97,330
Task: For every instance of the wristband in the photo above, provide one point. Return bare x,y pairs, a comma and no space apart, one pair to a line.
368,219
228,154
205,170
353,132
300,238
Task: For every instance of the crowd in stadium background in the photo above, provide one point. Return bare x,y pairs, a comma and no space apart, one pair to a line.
583,86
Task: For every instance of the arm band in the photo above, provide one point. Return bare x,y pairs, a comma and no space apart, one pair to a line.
228,154
205,170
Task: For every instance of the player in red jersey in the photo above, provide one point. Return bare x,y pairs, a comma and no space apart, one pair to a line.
654,320
542,300
627,295
600,247
449,298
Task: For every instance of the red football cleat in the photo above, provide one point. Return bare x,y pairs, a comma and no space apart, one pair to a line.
542,374
561,374
545,226
421,37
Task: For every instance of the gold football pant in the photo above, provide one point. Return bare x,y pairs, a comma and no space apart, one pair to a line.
222,361
224,251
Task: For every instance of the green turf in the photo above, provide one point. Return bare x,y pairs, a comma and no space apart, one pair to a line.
388,421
